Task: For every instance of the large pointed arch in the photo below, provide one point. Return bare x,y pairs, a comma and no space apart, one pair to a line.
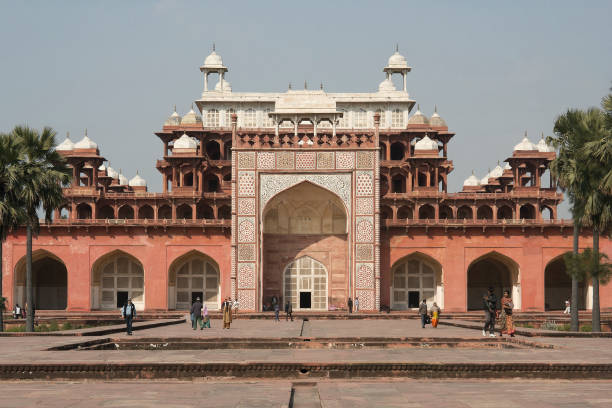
49,281
558,286
495,270
116,276
191,275
415,277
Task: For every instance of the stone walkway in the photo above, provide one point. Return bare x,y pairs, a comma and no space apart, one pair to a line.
328,394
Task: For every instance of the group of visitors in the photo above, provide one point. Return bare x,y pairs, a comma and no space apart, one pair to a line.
350,305
489,301
288,310
429,318
199,314
20,312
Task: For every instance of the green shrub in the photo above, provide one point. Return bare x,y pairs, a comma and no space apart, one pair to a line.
549,326
564,327
67,326
586,328
16,329
53,326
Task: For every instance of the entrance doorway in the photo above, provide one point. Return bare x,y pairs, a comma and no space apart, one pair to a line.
122,298
49,281
305,284
496,271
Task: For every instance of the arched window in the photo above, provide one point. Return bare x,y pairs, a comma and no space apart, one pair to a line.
404,213
426,212
527,212
228,117
122,278
484,213
445,212
397,151
361,119
305,284
547,213
183,211
204,211
126,212
106,212
504,213
250,118
197,278
145,212
386,213
397,118
398,183
413,280
212,118
83,211
464,213
164,212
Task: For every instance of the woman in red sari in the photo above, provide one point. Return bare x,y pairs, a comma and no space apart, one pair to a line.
506,315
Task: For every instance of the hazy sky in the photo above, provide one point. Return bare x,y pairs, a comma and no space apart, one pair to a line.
495,69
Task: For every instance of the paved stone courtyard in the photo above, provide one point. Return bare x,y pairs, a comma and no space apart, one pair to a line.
266,392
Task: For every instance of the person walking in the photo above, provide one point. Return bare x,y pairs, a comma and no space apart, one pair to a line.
288,311
356,304
489,302
128,312
17,311
506,315
350,305
423,313
435,315
227,313
196,314
276,311
567,307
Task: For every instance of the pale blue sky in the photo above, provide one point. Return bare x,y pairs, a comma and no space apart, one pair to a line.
495,69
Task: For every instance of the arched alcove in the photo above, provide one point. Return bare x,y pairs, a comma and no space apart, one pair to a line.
49,281
164,212
183,211
117,276
126,212
404,213
83,211
504,213
204,211
492,270
464,213
484,213
194,275
146,212
106,212
527,212
414,278
558,286
426,212
445,212
397,151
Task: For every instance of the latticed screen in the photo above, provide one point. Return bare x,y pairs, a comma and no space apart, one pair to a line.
413,277
383,118
122,274
250,118
361,119
397,118
228,117
197,276
306,275
212,118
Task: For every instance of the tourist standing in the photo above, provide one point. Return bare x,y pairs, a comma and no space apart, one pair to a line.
506,315
17,311
227,313
235,307
350,305
489,302
276,311
356,304
567,307
288,311
423,313
435,315
196,313
128,312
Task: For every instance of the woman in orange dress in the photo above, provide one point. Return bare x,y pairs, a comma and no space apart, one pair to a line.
507,323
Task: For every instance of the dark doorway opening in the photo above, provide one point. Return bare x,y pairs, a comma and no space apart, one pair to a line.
195,295
122,297
305,300
413,299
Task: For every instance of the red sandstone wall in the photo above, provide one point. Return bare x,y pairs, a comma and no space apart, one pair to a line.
156,250
455,250
330,250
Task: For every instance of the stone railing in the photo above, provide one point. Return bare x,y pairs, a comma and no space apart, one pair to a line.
470,222
139,222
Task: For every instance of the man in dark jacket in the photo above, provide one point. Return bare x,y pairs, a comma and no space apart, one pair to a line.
423,313
288,311
350,305
489,304
196,313
128,312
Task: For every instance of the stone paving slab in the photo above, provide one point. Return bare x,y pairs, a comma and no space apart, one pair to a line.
332,394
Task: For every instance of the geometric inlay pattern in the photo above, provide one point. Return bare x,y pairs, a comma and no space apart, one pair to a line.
364,252
246,206
365,276
365,183
284,160
272,184
246,183
246,276
265,160
345,160
366,299
365,160
246,229
246,252
246,160
325,160
305,160
364,230
246,299
364,205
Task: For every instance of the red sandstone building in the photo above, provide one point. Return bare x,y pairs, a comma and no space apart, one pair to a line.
307,195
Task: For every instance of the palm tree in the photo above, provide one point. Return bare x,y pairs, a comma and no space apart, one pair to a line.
567,168
43,171
10,211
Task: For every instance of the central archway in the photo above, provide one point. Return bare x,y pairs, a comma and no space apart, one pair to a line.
414,278
305,284
191,276
116,277
302,224
492,270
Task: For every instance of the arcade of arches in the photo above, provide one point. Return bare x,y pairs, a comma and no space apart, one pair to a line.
305,245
